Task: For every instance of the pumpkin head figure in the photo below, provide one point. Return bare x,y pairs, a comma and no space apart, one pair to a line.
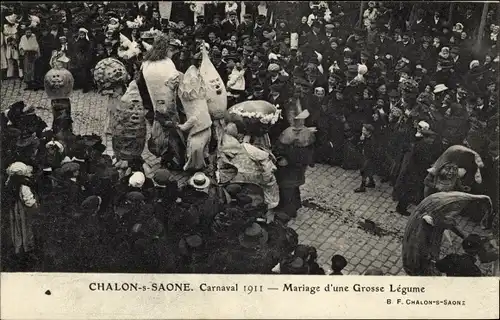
58,83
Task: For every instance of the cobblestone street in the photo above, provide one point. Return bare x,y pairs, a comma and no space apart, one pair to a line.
331,214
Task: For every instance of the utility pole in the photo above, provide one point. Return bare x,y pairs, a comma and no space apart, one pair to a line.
482,26
361,9
450,13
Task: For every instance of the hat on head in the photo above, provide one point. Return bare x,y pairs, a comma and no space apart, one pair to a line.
352,70
175,43
302,82
135,196
261,18
233,189
338,262
253,236
329,27
247,16
473,64
316,24
472,243
440,88
91,204
455,50
303,115
162,177
137,179
70,167
19,169
294,265
199,180
369,127
276,87
188,244
273,67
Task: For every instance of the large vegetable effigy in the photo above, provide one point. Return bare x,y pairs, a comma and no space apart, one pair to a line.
216,93
427,224
111,77
129,125
58,83
254,118
192,93
110,73
454,170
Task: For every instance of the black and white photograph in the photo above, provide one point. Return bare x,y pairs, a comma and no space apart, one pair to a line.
250,137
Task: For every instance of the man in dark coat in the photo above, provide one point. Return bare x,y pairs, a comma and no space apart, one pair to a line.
409,187
246,26
315,40
369,149
229,26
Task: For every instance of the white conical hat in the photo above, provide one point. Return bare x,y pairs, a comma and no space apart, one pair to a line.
124,40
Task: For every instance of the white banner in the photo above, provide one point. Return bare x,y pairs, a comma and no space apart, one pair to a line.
165,8
155,296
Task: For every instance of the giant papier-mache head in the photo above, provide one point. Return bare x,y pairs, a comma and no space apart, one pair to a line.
58,83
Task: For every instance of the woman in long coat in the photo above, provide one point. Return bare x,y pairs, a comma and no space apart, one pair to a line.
331,132
294,152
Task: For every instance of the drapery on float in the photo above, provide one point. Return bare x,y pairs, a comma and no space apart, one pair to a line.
432,219
254,119
192,92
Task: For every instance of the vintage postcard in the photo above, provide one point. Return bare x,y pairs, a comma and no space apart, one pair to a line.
249,159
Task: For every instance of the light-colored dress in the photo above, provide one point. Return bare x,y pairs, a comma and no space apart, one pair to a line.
11,50
3,59
31,51
21,216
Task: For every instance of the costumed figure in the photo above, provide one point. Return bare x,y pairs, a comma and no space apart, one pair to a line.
30,51
432,218
193,96
245,163
216,94
158,83
254,119
25,205
455,170
58,84
294,152
111,78
129,126
11,37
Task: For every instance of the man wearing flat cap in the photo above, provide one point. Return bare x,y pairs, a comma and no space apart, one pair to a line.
274,77
315,40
